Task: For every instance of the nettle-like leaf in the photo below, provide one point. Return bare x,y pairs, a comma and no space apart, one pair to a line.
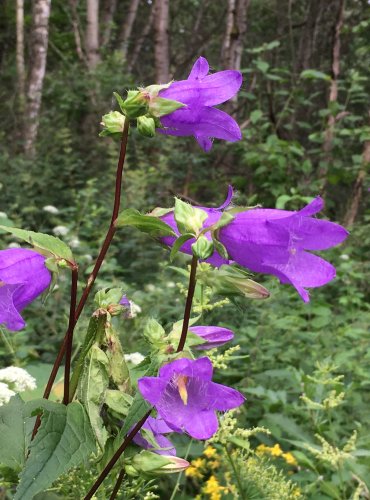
92,388
64,440
48,245
145,223
12,433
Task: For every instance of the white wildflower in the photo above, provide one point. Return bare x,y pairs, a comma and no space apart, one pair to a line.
135,358
150,288
17,378
51,209
135,309
5,394
74,242
60,230
344,256
171,284
3,215
14,244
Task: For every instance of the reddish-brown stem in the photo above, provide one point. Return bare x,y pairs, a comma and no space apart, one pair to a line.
95,271
114,459
138,426
69,335
117,485
189,303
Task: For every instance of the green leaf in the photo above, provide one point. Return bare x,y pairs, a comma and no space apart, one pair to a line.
313,74
64,440
94,383
108,296
145,223
120,101
159,106
202,248
178,244
118,401
136,412
154,332
44,242
12,433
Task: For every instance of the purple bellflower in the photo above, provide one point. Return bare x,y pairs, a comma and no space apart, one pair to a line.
158,428
23,277
214,336
200,93
276,242
187,399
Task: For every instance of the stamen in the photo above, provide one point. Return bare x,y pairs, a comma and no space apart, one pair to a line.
181,385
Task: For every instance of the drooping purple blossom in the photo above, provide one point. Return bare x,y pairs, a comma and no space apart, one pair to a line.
200,92
158,428
276,242
214,336
187,399
23,277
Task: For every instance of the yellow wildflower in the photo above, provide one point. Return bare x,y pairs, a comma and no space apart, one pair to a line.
276,451
261,449
214,464
213,488
210,452
193,472
289,458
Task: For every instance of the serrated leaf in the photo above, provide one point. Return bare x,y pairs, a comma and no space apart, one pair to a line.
178,244
120,101
64,440
12,433
45,242
94,383
145,223
118,401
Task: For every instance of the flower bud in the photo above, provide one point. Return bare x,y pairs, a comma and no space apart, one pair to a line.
113,123
146,126
149,462
202,248
135,105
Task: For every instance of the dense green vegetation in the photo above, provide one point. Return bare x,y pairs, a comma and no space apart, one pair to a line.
304,368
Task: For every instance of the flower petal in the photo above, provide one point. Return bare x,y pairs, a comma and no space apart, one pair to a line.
214,336
199,70
224,398
9,315
204,142
202,425
152,388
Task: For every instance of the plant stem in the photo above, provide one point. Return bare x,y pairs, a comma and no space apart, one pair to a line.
117,485
8,344
116,456
69,336
189,302
138,426
238,482
98,263
172,497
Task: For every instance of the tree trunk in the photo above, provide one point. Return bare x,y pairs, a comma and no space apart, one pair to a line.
140,41
108,11
76,30
161,43
39,48
333,94
20,56
354,206
236,28
92,34
127,26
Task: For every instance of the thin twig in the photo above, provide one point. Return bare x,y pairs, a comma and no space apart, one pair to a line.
117,485
69,336
189,302
94,273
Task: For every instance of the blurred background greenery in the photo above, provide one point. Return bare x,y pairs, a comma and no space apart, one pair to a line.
304,112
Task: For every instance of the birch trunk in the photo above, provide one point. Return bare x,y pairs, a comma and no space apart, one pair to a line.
108,11
21,72
127,26
236,28
39,48
161,43
140,41
92,34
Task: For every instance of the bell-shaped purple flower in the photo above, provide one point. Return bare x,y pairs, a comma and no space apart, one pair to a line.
158,428
200,92
276,242
187,399
214,336
23,277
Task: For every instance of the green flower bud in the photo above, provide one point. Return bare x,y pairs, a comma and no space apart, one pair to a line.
113,123
202,248
136,104
146,126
